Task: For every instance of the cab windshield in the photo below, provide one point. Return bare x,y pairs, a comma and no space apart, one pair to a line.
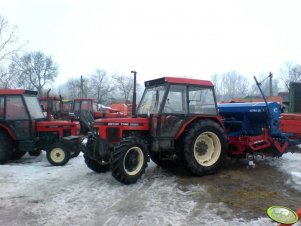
34,107
151,100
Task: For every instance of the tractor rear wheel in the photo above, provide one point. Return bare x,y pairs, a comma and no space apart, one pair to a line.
5,147
96,166
58,154
204,147
129,160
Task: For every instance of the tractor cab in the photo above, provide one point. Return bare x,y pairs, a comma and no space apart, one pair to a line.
170,102
176,121
51,103
86,104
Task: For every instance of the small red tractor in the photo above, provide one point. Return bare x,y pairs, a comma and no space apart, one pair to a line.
177,118
23,128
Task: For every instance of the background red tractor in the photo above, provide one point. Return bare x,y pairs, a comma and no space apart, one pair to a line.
23,128
87,110
177,119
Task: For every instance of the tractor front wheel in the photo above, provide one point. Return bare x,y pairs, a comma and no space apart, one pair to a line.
97,166
129,160
204,147
58,154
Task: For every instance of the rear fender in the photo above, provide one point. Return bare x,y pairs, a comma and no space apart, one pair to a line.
217,119
5,128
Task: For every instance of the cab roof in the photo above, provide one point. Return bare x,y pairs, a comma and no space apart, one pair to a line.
17,92
175,80
50,98
81,99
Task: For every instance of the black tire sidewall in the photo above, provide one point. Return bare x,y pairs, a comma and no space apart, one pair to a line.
95,166
117,161
5,147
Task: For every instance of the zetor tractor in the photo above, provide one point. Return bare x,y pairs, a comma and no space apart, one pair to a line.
176,121
23,128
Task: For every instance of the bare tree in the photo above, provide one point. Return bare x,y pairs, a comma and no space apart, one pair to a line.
79,87
290,72
229,85
8,47
34,70
101,86
125,85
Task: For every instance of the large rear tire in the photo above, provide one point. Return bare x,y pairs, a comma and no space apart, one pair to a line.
96,166
204,147
58,154
5,147
129,160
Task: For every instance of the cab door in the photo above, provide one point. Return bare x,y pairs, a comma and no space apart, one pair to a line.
174,111
17,117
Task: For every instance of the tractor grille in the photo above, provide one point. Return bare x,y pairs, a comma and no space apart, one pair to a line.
113,134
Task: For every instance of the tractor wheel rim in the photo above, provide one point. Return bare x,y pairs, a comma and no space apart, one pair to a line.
57,155
207,148
133,161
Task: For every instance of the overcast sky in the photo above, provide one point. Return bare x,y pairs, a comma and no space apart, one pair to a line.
194,38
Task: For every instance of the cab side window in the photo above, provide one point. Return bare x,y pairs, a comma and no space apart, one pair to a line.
15,109
176,100
201,101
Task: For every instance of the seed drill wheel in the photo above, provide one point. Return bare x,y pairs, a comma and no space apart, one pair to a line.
204,147
58,154
129,160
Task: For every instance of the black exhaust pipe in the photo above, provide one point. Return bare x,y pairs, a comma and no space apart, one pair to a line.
134,96
49,109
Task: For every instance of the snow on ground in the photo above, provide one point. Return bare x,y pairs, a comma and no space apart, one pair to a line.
32,192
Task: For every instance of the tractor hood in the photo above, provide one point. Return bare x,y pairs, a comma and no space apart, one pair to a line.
59,126
57,123
122,121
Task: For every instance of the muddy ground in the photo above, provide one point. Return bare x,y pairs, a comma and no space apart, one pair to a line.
34,193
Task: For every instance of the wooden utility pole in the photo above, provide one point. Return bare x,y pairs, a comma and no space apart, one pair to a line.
271,85
81,87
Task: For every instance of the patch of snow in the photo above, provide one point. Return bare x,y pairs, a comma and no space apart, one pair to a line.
32,192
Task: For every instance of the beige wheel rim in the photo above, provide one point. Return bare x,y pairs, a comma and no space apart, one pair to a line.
207,149
133,161
57,155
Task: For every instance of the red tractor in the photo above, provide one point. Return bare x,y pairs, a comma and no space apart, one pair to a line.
86,110
23,128
51,104
176,121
